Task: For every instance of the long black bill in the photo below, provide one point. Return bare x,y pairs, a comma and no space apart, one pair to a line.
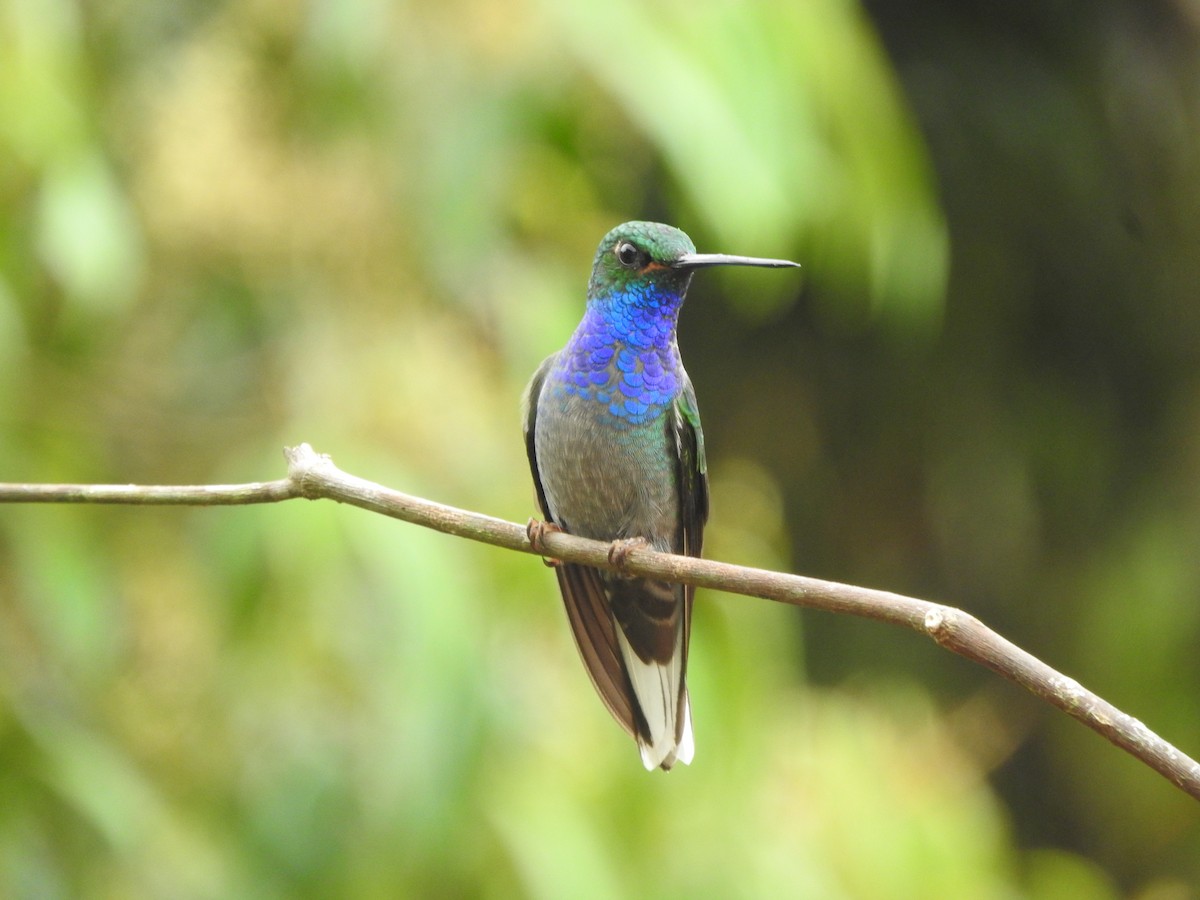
704,260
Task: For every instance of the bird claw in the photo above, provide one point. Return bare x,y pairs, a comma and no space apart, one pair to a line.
536,530
618,553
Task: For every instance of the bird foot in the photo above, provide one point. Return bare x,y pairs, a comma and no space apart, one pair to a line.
618,553
536,530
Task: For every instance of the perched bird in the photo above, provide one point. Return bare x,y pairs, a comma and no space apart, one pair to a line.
615,447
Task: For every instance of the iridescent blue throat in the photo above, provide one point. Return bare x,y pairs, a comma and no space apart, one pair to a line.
623,354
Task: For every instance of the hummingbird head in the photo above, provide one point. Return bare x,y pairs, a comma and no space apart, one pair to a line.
638,256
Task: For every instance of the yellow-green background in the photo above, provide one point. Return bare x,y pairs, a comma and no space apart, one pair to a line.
230,226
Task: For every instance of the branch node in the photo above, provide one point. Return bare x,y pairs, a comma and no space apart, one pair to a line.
304,465
943,623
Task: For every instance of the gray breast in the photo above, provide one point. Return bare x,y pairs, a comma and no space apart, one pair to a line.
605,479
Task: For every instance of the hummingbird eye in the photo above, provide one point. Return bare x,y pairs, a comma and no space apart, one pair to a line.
627,254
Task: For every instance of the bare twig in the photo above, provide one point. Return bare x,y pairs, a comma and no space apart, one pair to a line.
314,476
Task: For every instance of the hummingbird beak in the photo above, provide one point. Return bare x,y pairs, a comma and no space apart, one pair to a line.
704,260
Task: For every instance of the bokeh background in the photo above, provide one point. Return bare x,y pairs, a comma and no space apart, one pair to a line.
227,227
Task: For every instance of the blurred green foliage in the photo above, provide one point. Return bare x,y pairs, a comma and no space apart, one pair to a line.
228,227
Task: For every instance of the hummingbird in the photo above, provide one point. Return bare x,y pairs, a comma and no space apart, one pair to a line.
615,446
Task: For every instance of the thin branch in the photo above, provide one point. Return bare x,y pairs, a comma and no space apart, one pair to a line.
314,476
154,495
